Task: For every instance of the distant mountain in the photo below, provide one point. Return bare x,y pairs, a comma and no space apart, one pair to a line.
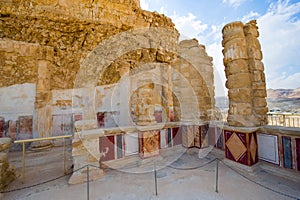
286,100
283,93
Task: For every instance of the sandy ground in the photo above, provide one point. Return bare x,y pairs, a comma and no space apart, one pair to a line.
133,178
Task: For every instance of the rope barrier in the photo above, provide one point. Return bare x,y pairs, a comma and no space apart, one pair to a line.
170,166
44,182
192,168
259,184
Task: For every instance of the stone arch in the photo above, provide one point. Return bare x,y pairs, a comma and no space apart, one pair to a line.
93,67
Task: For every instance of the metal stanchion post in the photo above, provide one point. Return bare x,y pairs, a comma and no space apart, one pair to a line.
155,178
23,163
217,175
88,183
64,149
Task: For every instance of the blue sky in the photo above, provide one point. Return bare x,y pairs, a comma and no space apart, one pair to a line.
279,27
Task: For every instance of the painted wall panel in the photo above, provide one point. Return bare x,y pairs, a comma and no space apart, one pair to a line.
163,138
268,148
2,126
298,153
107,148
131,144
119,146
177,136
287,152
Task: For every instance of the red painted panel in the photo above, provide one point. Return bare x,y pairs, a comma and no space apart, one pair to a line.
2,126
25,127
298,153
100,119
107,148
149,143
243,159
212,136
62,124
172,116
77,117
227,135
12,130
256,142
158,116
176,136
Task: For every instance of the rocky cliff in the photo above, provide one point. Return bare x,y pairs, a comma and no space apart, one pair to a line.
69,28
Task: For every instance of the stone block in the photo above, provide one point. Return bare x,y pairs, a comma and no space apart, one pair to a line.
256,65
244,109
259,102
241,80
261,110
3,157
238,66
188,43
81,176
257,76
260,93
242,95
5,144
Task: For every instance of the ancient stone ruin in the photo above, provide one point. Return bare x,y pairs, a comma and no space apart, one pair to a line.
118,80
245,75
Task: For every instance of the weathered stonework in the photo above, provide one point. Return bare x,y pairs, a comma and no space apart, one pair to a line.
8,173
196,84
72,28
245,75
95,58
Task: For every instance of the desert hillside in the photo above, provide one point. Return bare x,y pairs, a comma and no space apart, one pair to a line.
283,93
286,100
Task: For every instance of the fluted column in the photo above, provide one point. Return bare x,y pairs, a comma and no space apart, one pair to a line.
256,68
244,73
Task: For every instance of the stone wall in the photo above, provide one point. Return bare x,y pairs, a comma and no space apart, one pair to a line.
194,83
245,75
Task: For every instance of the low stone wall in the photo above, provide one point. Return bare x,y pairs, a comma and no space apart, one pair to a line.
277,145
93,146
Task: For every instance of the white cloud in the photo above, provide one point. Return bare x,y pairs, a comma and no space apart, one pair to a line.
279,30
144,4
285,82
163,10
234,3
280,41
189,26
215,50
250,16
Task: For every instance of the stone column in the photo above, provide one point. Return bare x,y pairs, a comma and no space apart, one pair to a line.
145,103
166,93
256,68
43,103
246,91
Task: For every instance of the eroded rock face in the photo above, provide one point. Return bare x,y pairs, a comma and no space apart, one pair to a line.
245,75
71,28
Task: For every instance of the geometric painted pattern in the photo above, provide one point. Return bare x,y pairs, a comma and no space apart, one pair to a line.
236,146
253,148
